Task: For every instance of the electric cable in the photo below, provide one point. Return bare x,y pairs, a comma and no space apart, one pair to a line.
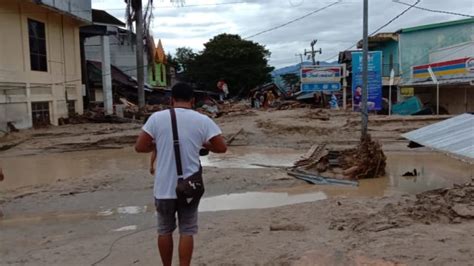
109,252
156,7
293,20
382,27
434,10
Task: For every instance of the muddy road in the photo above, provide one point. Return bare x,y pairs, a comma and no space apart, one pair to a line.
74,194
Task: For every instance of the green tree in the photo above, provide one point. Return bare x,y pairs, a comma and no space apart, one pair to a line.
241,63
290,79
172,61
184,56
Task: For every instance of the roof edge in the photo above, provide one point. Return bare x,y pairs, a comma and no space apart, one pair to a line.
437,25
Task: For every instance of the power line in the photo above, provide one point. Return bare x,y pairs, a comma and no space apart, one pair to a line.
382,27
434,10
293,20
155,7
204,5
396,17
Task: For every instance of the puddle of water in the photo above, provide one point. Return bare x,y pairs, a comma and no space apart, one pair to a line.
256,200
45,169
241,157
241,201
131,209
437,170
126,228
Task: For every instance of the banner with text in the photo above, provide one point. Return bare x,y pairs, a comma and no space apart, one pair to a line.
374,99
321,78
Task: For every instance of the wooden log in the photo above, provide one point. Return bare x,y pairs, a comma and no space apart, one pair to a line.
232,138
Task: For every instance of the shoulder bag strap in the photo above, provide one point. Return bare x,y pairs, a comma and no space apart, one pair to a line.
177,152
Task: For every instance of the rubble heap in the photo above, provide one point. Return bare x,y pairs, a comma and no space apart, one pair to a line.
447,205
365,161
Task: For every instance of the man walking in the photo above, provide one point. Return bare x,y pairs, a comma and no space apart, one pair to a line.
193,132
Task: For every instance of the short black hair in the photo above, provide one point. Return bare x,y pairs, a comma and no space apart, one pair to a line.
182,92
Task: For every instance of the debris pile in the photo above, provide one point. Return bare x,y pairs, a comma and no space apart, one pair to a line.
287,105
447,205
319,114
235,109
444,205
94,117
365,161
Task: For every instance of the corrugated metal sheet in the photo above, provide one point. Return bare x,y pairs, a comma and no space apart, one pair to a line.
454,135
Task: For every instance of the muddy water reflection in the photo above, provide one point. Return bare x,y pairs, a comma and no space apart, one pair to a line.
436,170
240,157
238,201
256,200
45,169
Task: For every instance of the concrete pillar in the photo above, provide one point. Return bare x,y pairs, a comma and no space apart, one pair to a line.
106,75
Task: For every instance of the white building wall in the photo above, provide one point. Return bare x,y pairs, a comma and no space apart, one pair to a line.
122,51
19,85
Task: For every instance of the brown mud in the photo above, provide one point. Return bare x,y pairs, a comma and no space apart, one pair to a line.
72,191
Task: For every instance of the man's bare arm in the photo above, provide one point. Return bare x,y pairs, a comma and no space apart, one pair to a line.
216,144
144,143
152,162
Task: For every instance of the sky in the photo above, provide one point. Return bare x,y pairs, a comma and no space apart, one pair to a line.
336,28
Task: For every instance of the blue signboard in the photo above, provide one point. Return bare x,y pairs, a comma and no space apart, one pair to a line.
374,99
321,78
321,87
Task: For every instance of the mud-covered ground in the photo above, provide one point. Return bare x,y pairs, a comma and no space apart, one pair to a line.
79,219
296,129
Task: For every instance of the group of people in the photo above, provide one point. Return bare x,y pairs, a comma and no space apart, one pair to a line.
262,99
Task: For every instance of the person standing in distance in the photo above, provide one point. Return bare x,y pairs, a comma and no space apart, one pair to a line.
195,132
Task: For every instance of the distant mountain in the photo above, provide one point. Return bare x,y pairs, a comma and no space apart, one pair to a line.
276,74
296,68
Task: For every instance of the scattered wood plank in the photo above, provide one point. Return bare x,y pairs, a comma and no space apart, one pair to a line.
269,166
320,180
232,138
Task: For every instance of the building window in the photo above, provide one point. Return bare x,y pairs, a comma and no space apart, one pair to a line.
37,38
71,108
40,113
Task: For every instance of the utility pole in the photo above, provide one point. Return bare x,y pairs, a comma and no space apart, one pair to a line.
365,63
313,52
301,57
140,63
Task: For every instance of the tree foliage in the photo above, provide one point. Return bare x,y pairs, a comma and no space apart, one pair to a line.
241,63
172,61
290,79
184,57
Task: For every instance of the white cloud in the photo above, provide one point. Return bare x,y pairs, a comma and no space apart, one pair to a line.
336,28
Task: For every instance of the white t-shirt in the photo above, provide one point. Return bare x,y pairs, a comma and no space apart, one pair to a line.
194,129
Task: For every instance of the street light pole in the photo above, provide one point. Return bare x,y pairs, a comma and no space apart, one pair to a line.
365,61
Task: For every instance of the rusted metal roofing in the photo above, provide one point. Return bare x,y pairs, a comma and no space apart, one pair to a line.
454,136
